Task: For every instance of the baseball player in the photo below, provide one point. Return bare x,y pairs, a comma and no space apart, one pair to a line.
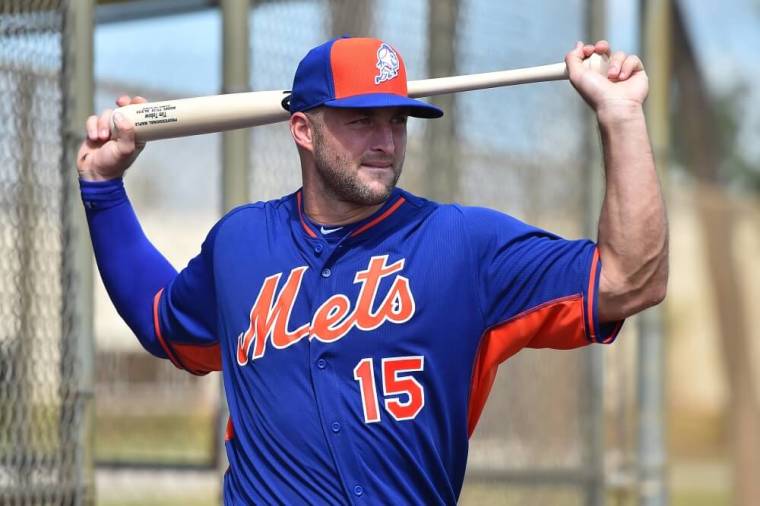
359,327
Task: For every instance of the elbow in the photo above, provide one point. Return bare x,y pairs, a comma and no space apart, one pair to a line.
656,272
653,290
659,292
625,294
651,296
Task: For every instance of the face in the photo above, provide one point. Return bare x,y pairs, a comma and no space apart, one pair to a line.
359,153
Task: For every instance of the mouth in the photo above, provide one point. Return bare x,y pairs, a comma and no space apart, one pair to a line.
379,165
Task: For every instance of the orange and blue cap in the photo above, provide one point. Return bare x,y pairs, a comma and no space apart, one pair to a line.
354,73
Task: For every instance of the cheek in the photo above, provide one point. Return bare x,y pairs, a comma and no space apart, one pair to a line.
350,147
400,143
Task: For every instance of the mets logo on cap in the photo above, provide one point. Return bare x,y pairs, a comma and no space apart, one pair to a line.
387,63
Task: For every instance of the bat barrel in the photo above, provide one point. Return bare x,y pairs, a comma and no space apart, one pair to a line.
441,85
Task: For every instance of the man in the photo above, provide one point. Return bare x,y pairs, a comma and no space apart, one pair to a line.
359,327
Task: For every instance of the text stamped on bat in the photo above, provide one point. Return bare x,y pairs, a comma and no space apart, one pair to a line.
156,114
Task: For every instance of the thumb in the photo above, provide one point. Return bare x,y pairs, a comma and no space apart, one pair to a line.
125,134
574,60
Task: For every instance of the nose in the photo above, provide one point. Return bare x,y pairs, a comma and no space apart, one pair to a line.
382,139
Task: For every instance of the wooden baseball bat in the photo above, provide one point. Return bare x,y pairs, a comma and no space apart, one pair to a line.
217,113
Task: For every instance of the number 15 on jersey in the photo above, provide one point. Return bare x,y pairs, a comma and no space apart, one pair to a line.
403,396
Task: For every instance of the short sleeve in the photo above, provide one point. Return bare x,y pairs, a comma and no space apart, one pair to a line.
185,315
536,290
524,272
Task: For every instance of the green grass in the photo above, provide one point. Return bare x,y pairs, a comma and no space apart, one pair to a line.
184,500
701,498
186,439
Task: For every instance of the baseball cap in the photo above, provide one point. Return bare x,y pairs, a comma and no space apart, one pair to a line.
354,72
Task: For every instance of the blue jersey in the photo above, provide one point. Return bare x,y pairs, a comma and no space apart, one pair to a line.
357,359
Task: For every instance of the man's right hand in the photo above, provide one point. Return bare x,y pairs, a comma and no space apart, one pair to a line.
100,157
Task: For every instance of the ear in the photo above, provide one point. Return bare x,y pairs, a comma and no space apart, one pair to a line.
302,130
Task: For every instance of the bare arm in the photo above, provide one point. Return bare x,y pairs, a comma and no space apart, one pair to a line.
633,235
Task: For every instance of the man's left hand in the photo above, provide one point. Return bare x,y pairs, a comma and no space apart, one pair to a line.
625,84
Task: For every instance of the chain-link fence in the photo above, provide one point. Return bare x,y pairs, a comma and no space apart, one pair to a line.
521,150
39,409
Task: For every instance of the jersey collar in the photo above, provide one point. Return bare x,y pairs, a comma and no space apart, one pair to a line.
393,204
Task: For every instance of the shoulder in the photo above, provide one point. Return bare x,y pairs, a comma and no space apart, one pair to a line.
491,228
485,218
258,209
477,220
255,212
249,218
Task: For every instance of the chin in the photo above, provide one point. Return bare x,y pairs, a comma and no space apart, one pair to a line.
374,193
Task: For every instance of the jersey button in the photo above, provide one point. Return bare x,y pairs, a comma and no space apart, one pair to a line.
326,272
358,490
321,363
318,248
335,427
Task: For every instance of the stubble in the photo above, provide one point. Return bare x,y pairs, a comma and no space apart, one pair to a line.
339,174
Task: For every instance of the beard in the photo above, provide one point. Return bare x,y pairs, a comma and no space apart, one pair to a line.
340,175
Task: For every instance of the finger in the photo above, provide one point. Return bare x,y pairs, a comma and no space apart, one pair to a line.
91,125
588,50
123,100
602,47
574,59
139,100
629,66
104,125
125,142
616,63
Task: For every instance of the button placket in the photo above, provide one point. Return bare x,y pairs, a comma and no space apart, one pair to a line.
337,429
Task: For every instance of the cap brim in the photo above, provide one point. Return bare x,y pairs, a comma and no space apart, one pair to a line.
416,108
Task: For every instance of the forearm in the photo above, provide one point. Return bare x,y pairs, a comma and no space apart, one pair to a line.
132,269
633,237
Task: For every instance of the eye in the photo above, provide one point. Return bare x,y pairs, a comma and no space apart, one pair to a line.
400,119
360,121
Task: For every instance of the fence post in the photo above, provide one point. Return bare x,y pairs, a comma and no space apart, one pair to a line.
236,150
652,490
78,342
594,494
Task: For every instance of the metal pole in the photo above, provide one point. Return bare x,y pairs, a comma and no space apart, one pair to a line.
349,17
594,429
442,157
23,349
236,78
236,149
77,270
655,36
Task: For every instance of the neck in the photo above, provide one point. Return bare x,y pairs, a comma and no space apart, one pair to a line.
322,207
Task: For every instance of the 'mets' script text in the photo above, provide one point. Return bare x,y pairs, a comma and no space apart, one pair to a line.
270,314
